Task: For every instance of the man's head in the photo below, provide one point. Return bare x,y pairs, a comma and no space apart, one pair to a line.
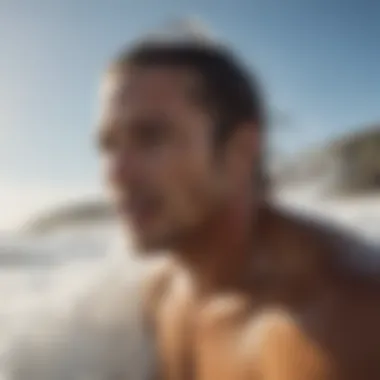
179,135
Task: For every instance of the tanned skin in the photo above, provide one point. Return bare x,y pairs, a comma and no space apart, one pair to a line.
249,291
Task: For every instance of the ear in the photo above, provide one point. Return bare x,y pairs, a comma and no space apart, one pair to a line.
242,152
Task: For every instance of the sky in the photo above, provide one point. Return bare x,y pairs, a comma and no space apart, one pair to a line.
318,60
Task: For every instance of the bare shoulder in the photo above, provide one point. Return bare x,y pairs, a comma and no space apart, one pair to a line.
156,283
354,259
352,263
349,270
284,350
348,254
325,345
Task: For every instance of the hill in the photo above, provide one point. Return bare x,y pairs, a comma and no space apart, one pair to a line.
349,165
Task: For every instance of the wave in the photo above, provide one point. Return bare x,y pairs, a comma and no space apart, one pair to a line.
73,320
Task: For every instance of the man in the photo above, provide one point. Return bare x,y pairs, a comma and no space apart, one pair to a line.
250,291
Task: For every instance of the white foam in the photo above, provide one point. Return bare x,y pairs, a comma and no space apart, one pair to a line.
82,321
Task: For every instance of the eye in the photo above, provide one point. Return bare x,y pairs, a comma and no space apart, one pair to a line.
152,135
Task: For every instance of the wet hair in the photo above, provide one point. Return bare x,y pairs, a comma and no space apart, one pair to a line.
227,88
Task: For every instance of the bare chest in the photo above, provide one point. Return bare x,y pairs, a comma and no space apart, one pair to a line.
206,346
230,341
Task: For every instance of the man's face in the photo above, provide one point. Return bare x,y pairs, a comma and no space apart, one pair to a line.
157,148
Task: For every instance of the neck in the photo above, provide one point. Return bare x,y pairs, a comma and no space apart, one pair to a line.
218,258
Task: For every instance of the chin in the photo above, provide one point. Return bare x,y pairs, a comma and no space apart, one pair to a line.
149,247
151,242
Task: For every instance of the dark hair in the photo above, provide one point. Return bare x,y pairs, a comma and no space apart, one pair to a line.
233,94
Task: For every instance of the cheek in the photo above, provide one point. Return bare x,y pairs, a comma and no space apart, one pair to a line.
191,192
185,171
177,164
194,201
184,174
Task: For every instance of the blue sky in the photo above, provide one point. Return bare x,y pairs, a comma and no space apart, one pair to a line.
319,61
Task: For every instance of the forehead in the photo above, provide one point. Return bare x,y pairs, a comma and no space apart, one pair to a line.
151,89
